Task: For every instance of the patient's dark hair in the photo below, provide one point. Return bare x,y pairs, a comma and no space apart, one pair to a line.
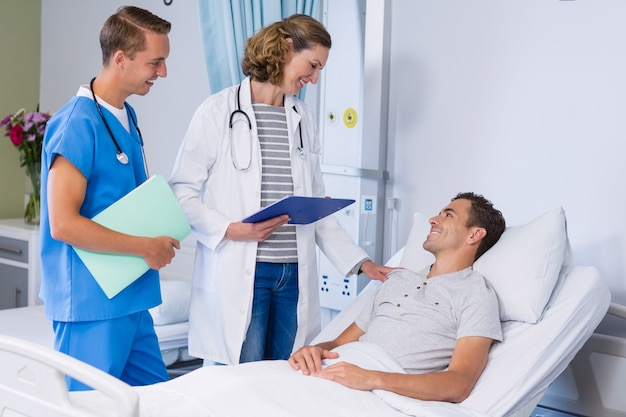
126,31
483,214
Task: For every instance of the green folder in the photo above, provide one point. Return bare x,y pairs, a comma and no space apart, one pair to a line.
149,210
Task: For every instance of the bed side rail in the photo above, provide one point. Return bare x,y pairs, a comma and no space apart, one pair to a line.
32,382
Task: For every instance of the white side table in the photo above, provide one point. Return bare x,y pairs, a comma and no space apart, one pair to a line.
20,274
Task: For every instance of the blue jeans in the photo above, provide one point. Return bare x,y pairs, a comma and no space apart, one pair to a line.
274,322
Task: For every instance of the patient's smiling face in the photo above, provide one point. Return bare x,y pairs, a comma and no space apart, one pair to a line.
448,229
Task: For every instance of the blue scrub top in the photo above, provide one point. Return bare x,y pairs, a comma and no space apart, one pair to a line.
68,290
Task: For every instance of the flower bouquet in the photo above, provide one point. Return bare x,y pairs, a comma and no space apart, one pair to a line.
25,130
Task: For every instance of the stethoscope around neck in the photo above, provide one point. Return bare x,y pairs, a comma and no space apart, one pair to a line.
231,122
121,155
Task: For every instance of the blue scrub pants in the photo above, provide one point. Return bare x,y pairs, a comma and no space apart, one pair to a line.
125,347
274,321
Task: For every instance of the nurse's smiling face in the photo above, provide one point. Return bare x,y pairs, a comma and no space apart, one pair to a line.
304,67
148,64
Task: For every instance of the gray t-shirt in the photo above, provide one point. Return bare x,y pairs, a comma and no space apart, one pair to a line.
417,320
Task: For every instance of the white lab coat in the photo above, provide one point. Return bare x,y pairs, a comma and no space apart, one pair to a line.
214,194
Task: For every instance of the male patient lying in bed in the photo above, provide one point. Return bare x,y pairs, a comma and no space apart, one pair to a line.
438,324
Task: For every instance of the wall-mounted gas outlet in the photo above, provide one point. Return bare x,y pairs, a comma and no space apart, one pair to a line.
350,118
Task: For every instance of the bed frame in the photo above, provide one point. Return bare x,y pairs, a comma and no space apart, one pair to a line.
593,383
32,384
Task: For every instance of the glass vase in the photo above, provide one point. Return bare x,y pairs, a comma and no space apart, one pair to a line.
32,210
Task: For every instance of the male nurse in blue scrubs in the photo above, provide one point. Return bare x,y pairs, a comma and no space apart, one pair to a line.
92,156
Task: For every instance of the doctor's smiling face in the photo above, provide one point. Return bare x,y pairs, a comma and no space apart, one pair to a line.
304,67
283,57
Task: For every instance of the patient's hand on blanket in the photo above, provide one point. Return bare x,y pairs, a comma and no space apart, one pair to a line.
452,385
350,375
308,359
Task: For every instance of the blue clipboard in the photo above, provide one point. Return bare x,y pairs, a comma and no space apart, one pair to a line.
302,210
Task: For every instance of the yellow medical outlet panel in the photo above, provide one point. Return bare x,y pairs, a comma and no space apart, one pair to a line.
349,118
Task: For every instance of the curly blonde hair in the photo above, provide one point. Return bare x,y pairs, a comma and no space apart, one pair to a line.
267,52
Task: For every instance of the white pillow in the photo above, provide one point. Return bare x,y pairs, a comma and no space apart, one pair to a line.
415,257
176,295
522,267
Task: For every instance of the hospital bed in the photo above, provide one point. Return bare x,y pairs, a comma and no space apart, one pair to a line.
170,318
549,309
593,383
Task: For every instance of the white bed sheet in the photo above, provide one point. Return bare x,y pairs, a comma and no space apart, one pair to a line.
272,388
519,369
28,323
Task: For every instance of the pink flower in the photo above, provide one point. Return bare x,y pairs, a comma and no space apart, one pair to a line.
6,120
26,132
35,119
17,135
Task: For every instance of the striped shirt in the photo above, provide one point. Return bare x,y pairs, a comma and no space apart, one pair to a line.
276,180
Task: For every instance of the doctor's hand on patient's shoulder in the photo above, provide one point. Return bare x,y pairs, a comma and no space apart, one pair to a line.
308,359
255,231
159,251
376,271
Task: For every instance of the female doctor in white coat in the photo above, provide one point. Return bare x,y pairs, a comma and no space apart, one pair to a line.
255,286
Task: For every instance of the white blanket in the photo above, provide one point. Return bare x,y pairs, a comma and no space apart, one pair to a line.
272,388
517,370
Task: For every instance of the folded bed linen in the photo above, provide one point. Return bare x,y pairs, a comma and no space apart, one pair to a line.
172,336
30,323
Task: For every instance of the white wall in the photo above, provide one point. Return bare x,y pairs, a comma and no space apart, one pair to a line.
523,101
70,56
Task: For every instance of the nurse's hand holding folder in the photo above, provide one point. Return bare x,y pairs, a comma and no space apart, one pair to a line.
68,225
